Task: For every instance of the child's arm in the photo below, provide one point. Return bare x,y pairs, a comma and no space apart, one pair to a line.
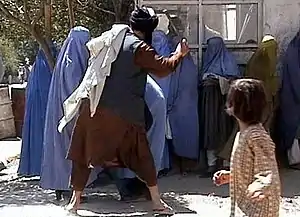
265,164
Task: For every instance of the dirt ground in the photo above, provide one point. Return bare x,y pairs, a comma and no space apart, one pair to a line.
189,196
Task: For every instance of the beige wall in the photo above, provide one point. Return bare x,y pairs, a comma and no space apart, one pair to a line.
282,19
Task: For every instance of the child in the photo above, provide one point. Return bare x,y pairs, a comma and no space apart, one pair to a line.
253,176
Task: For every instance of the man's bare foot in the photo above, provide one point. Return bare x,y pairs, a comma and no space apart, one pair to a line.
74,202
162,208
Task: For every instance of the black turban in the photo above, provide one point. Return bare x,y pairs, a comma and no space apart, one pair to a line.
141,20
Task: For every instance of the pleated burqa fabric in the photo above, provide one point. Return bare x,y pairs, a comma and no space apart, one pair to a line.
261,66
183,109
69,70
215,124
289,95
180,90
218,60
34,120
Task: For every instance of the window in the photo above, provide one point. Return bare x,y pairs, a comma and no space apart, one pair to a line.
235,23
238,22
183,18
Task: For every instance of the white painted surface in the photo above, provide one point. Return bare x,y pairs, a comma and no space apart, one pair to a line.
282,20
9,149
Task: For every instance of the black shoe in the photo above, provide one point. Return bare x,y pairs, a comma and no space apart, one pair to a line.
2,166
59,195
136,190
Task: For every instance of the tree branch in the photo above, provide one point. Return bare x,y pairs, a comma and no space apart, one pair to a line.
117,8
25,4
86,15
44,45
91,3
83,4
71,13
39,15
48,16
101,9
104,10
6,13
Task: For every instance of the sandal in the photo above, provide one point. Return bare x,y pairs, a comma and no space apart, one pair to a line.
72,212
163,211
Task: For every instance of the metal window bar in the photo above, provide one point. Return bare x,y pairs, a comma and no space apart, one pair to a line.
200,4
149,2
227,2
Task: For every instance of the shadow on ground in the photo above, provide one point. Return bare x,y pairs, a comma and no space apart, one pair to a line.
185,194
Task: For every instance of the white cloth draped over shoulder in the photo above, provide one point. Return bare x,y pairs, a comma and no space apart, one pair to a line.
104,51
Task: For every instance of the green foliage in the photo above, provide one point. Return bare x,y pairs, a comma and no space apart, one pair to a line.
9,55
96,15
22,41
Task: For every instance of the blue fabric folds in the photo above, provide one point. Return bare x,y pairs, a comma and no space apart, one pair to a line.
181,91
162,47
34,119
69,70
289,112
183,108
218,60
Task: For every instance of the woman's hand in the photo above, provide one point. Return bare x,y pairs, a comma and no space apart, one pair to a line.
221,177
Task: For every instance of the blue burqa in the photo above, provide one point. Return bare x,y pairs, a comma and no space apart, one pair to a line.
183,108
181,90
161,46
34,119
69,70
160,43
289,117
218,60
156,134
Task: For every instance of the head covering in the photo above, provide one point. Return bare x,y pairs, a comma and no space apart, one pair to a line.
70,67
218,60
141,20
72,60
262,65
163,23
290,95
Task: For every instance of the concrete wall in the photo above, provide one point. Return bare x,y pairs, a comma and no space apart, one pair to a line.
282,19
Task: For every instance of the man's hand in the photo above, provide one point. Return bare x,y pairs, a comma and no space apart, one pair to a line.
183,47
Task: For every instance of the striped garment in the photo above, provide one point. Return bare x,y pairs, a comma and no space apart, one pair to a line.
253,162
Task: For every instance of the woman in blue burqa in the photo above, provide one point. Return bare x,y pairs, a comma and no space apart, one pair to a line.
69,70
289,97
218,68
181,91
34,119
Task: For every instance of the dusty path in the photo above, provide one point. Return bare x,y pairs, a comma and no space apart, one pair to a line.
189,196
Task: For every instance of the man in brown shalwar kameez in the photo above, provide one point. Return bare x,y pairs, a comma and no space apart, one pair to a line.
115,136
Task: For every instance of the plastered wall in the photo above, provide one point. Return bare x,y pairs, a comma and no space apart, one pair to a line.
282,19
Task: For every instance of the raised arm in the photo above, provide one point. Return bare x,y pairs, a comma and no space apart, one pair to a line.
147,58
